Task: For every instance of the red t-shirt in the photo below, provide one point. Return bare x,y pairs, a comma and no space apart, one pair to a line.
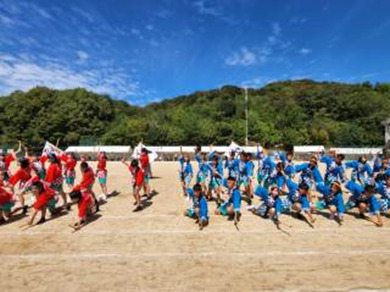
139,177
88,179
70,163
23,174
7,161
43,159
44,198
144,159
54,172
84,204
5,196
102,163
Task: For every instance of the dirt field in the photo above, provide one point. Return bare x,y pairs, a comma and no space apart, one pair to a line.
159,249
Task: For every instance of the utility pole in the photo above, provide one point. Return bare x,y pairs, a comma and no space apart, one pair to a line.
246,116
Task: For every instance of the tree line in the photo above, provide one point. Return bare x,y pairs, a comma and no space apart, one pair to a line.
288,113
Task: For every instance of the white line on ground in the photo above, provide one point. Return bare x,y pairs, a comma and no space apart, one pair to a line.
194,254
195,231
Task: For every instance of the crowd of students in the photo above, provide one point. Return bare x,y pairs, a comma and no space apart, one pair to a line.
40,179
272,185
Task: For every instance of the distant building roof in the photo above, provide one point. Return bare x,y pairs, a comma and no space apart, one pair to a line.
357,151
93,149
309,149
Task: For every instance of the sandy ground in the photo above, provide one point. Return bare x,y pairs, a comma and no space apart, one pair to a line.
159,249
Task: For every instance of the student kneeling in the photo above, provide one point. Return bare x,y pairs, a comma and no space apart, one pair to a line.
232,204
199,208
45,199
85,204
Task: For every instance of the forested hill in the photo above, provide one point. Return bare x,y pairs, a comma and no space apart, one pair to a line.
291,112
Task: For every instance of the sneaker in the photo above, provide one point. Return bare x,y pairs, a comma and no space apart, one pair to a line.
138,208
103,198
41,221
25,209
251,208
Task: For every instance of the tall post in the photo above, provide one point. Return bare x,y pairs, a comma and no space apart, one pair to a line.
386,124
246,116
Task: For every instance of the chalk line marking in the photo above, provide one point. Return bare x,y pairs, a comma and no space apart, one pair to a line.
87,231
193,254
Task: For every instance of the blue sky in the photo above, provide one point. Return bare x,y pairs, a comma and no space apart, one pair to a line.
146,51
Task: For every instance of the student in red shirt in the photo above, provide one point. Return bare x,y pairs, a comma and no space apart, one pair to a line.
85,204
132,171
87,181
70,162
138,181
70,165
145,165
5,163
38,165
45,198
24,178
6,204
101,174
54,178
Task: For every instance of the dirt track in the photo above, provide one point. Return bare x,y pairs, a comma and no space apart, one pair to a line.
159,249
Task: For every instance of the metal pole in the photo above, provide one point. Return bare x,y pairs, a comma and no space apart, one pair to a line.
246,117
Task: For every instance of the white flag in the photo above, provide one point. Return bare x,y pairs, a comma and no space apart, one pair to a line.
137,152
48,148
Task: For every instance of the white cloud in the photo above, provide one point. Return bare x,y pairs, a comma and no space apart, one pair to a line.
20,74
149,27
263,53
6,20
82,56
298,20
207,10
305,51
244,57
257,82
276,30
164,13
135,31
42,12
86,15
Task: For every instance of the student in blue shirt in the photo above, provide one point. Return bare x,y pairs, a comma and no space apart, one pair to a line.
271,206
377,162
203,170
186,172
309,172
216,176
269,170
334,168
232,204
277,177
364,199
361,170
288,164
332,200
383,188
199,208
246,173
300,199
263,167
381,172
232,165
